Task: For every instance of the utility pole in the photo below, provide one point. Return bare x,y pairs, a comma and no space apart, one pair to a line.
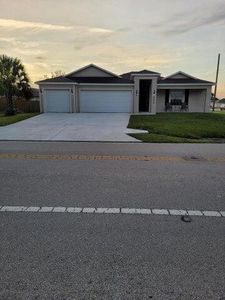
217,75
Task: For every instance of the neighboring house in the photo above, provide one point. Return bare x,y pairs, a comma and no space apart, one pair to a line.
219,104
93,89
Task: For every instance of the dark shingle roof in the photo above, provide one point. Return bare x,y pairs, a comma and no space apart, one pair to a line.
125,78
101,80
182,81
87,80
59,79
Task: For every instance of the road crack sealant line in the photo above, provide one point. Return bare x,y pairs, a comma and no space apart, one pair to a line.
103,157
115,210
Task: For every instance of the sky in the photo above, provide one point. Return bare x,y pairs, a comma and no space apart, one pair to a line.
119,35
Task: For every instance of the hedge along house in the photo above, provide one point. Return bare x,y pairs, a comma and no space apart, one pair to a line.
93,89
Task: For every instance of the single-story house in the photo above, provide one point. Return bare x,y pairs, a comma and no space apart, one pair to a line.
93,89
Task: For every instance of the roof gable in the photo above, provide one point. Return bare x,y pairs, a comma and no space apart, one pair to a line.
91,71
180,75
183,78
142,72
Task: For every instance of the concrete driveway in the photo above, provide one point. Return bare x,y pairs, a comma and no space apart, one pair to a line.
105,127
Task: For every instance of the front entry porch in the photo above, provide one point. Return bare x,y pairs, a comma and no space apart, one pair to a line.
145,94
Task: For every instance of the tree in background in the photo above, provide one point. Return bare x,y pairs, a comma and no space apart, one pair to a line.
14,81
54,74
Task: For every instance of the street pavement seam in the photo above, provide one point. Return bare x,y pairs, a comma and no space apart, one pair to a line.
115,210
84,157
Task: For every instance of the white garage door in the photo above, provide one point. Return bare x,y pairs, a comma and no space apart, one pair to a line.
106,101
56,101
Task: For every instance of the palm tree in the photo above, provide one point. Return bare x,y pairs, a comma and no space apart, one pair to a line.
14,81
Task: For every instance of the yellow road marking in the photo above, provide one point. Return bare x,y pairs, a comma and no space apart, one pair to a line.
216,159
85,157
100,157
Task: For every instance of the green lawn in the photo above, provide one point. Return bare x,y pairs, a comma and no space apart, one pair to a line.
6,120
180,127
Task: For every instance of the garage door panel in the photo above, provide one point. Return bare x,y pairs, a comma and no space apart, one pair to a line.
56,101
106,101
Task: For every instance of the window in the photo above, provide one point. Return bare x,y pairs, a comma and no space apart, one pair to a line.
177,97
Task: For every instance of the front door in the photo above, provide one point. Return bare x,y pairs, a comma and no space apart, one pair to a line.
144,95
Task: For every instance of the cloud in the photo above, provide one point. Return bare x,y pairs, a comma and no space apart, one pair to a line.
29,51
186,21
124,58
27,43
183,26
100,30
40,57
6,39
16,24
11,24
23,47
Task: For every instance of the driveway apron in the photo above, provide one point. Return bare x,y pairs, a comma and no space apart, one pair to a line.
104,127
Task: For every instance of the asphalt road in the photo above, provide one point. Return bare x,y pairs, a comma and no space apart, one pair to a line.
99,256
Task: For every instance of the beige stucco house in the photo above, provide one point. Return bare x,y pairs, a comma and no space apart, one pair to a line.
93,89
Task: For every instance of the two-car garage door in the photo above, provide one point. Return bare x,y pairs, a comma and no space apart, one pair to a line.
58,100
106,101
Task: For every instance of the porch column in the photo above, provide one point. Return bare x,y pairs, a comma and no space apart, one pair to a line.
153,97
136,95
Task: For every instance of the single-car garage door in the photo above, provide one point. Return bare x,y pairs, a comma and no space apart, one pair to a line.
106,101
56,101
